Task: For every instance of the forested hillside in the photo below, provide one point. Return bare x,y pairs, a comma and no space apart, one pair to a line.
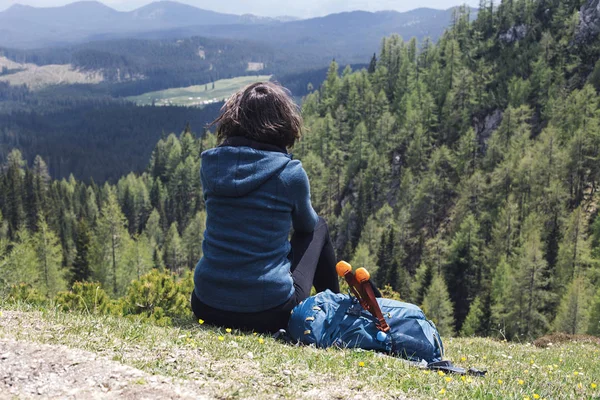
463,174
134,66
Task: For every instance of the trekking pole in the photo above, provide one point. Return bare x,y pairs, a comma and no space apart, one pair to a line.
344,270
363,277
362,290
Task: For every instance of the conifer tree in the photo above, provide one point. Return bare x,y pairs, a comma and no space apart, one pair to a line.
373,64
528,295
463,270
574,252
81,270
174,255
15,176
501,295
594,324
137,258
49,259
110,240
20,264
438,307
574,313
193,235
472,324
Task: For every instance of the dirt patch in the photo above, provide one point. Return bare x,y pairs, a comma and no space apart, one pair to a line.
30,370
560,338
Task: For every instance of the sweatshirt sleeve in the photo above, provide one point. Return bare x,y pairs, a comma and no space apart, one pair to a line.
304,217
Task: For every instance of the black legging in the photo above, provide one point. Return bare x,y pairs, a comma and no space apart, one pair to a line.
313,264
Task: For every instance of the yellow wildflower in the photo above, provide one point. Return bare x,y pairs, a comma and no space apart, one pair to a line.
521,381
463,359
254,333
261,340
463,378
361,364
579,386
426,372
536,396
200,321
531,361
228,330
593,386
576,373
448,379
526,371
500,381
441,373
469,380
443,391
221,338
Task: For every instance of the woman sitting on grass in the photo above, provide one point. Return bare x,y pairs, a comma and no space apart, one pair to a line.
250,276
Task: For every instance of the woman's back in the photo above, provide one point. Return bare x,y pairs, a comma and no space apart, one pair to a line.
250,276
251,195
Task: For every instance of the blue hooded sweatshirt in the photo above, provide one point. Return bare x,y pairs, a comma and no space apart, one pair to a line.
253,197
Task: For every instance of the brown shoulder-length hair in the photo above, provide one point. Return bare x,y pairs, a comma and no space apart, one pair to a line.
262,111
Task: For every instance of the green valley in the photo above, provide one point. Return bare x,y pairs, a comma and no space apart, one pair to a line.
197,95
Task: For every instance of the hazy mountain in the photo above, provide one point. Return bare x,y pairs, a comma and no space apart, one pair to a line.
349,34
349,37
25,26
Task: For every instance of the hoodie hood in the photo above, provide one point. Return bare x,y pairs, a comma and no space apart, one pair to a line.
236,171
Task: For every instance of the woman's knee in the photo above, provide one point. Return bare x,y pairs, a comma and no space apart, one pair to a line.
322,224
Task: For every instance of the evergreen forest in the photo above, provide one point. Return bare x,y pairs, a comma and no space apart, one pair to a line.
463,174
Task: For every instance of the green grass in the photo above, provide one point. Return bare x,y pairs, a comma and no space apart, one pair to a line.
240,365
198,95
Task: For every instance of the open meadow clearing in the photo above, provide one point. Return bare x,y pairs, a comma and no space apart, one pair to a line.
198,95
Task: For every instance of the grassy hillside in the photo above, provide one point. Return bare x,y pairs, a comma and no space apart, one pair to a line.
240,365
198,95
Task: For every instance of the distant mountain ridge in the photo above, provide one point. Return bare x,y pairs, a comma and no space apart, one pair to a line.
30,27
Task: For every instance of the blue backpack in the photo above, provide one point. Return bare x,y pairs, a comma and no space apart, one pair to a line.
329,319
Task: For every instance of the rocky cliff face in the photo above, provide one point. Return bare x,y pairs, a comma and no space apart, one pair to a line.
514,34
589,22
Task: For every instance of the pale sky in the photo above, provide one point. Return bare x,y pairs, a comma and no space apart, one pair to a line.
271,8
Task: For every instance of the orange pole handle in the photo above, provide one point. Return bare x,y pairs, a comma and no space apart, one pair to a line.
344,270
363,276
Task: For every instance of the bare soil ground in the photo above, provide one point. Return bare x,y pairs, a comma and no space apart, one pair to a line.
47,355
33,370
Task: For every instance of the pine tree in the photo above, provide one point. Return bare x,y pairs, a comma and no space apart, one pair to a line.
20,264
81,270
573,313
173,250
472,324
382,262
109,241
574,252
15,176
193,235
502,283
528,295
463,270
50,257
594,325
137,258
438,307
372,64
